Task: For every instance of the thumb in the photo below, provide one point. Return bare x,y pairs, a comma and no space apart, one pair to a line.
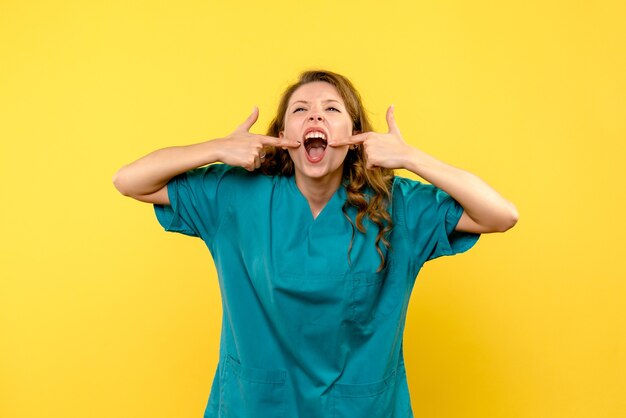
391,121
247,124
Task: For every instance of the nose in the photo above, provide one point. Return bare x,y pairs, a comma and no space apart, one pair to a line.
315,116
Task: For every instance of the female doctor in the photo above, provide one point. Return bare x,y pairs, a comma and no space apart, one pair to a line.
317,245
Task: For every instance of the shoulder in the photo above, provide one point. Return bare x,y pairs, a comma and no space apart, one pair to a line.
405,188
224,174
412,198
218,170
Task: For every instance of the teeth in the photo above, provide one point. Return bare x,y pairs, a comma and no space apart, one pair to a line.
315,134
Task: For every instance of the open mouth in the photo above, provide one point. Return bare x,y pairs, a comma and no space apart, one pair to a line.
315,143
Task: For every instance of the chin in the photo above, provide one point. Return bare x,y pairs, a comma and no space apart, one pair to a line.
319,173
330,166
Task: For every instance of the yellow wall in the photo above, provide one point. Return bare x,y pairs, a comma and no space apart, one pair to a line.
102,314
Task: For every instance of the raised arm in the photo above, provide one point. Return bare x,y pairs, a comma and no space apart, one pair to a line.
146,179
485,210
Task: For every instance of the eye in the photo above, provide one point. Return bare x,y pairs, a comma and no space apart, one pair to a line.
297,109
334,109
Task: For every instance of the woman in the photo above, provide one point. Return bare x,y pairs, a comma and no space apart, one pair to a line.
317,245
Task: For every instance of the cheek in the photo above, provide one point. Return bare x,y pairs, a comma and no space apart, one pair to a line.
291,126
345,128
293,153
339,154
291,133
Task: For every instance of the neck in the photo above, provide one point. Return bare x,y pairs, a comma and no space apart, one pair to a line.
318,191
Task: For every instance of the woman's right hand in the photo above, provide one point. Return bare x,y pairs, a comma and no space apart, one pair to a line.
146,178
245,149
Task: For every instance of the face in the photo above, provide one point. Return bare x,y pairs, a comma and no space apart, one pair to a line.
316,113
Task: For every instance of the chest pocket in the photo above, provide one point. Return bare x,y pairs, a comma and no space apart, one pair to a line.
250,392
374,296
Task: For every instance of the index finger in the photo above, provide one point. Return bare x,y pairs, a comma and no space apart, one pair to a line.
348,140
279,142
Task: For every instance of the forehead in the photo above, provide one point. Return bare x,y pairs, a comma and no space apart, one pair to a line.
314,91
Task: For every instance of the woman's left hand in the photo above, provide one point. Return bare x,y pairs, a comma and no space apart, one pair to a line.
381,150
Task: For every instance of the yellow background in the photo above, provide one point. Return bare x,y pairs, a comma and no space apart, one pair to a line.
102,314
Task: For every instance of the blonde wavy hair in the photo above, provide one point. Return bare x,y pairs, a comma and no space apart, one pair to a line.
368,190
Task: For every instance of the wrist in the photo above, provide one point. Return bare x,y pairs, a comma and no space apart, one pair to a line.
418,161
212,150
412,160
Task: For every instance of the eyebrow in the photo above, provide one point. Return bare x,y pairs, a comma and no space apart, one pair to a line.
305,102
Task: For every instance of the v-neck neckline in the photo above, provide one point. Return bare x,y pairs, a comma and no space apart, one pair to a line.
331,202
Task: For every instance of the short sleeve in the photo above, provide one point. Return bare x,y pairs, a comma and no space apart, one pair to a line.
198,201
429,216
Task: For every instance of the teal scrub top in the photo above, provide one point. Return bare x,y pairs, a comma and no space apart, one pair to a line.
306,330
